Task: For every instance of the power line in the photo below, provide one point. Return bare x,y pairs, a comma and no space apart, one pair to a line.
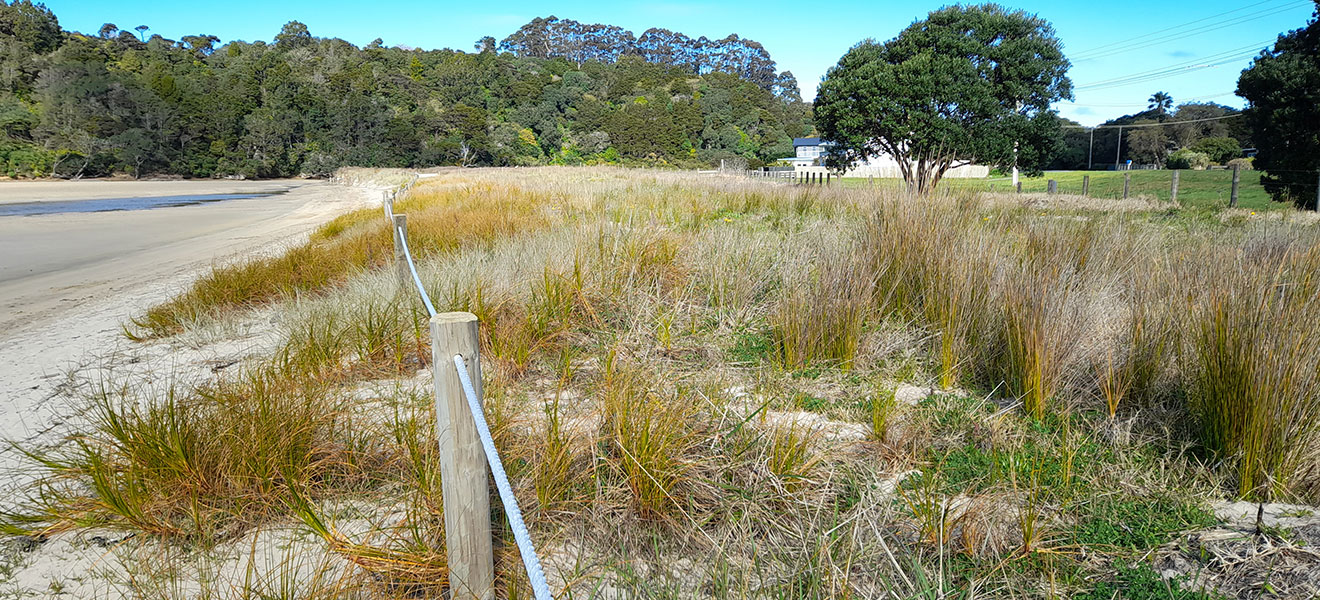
1216,60
1192,100
1140,42
1142,125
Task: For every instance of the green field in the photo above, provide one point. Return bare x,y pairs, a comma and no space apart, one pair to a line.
1196,189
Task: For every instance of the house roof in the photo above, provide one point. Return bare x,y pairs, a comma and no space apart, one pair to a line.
812,141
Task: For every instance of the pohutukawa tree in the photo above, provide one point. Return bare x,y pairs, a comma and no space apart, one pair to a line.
970,84
1282,88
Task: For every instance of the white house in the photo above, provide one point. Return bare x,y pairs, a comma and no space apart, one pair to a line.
809,156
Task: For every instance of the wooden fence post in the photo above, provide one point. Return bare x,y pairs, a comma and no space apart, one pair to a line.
1086,184
1019,187
1127,184
1052,187
464,475
1173,187
400,230
1317,193
1237,177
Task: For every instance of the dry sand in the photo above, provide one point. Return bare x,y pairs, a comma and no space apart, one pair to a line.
68,282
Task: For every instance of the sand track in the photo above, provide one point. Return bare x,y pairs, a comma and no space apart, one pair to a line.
68,282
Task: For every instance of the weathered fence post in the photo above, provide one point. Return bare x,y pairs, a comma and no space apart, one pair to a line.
1086,184
827,179
1052,187
1019,187
1317,192
1127,184
1173,187
1237,177
870,180
389,207
463,469
400,230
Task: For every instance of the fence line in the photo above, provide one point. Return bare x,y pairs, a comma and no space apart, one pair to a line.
463,442
1052,187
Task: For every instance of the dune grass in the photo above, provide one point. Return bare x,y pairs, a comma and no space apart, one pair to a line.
692,383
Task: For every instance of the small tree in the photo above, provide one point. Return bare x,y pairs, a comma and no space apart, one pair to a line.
970,84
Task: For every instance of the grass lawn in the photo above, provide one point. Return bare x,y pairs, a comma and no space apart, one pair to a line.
1196,189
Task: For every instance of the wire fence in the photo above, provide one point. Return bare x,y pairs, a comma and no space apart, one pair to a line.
1204,187
466,499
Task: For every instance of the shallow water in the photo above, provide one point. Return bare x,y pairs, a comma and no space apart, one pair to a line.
110,204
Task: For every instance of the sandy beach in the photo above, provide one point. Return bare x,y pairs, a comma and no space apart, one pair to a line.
68,282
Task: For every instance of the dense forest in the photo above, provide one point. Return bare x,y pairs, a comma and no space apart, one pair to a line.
554,92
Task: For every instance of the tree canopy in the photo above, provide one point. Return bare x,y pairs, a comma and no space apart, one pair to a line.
969,84
1282,87
74,104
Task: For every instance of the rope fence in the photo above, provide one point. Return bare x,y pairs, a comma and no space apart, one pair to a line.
467,448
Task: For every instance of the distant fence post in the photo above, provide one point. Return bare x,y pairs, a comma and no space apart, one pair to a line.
1127,184
1019,187
1086,184
1317,192
463,469
399,227
1237,177
827,179
1052,187
1173,187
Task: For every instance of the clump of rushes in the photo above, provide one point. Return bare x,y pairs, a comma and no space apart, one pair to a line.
790,456
821,311
650,436
554,479
1038,335
883,408
200,467
1256,387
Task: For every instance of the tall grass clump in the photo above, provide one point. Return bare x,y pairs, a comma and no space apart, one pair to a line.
201,466
937,266
438,220
650,435
823,304
1255,385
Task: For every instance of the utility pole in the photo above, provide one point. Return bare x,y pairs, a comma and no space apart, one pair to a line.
1090,150
1015,154
1119,149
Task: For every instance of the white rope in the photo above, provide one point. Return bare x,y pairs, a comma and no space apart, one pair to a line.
403,239
520,535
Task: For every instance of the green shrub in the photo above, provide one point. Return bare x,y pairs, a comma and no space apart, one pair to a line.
1246,164
1189,159
1219,149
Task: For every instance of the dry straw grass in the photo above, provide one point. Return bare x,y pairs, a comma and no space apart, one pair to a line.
637,324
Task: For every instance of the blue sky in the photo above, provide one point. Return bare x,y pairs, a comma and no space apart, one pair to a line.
1194,51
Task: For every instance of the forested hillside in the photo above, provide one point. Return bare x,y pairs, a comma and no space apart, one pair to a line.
554,92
